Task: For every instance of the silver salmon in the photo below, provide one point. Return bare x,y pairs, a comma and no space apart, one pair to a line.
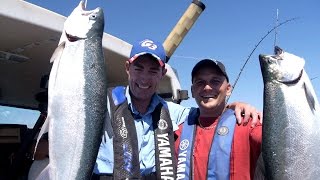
77,97
291,125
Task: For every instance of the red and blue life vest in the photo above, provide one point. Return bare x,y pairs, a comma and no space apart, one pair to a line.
219,155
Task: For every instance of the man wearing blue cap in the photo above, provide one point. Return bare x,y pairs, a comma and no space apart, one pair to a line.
138,142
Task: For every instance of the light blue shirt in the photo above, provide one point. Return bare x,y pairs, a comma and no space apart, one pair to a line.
145,135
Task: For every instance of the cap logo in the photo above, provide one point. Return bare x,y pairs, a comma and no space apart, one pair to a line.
149,44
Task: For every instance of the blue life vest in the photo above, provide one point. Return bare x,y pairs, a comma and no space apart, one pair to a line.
219,155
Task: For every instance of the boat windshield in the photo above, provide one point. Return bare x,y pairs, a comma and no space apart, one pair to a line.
12,115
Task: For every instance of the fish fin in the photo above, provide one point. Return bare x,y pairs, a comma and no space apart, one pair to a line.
260,173
44,129
44,174
108,120
37,167
58,52
310,97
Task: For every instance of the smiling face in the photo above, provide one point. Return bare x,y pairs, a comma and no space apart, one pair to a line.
144,75
210,89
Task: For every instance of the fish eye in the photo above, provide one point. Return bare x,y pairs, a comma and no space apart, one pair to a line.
93,16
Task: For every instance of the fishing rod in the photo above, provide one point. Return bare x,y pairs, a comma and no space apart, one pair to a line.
275,30
256,46
182,27
314,78
178,33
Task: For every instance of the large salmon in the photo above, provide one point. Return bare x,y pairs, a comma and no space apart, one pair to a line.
77,97
291,125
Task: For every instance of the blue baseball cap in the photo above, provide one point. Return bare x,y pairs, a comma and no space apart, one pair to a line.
148,46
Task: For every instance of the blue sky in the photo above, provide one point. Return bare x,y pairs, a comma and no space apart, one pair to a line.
226,30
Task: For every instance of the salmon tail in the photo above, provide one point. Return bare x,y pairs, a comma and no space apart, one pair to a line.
310,98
